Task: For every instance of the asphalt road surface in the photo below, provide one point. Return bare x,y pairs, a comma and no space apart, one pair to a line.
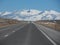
28,35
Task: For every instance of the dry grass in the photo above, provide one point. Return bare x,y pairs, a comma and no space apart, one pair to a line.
7,22
55,26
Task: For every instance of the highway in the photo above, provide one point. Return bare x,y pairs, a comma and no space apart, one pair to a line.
27,34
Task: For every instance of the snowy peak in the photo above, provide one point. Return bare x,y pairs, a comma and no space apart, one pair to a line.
31,15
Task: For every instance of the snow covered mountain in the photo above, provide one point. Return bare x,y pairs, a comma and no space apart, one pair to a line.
31,15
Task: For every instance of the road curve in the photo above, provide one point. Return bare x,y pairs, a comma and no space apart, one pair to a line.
28,35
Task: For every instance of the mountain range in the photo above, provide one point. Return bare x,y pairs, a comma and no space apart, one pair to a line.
31,15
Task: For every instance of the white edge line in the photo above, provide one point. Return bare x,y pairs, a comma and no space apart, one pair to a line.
13,31
47,36
16,30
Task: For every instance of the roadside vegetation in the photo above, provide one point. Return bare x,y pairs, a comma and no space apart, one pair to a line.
7,22
51,24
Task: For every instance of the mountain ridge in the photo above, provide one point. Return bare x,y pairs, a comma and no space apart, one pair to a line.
31,15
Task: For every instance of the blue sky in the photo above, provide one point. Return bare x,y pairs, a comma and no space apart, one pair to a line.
11,5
